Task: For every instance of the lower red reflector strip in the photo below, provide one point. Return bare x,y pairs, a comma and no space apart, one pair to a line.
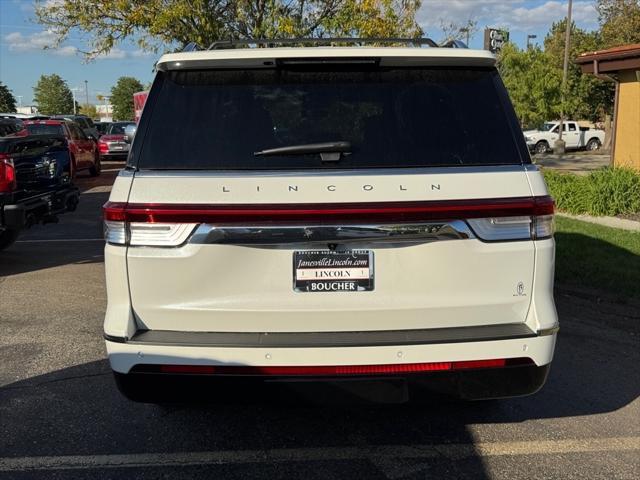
334,370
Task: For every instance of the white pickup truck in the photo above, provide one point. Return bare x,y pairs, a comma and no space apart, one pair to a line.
575,136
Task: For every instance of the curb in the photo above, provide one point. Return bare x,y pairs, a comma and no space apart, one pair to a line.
612,222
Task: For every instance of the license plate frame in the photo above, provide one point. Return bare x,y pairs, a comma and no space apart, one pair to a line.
333,271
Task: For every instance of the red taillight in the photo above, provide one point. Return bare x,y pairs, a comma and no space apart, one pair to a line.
7,174
114,212
103,147
332,370
353,213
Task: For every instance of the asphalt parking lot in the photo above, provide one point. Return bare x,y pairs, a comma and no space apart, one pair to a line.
61,416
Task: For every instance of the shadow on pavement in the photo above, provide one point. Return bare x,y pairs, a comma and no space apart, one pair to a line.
79,411
75,239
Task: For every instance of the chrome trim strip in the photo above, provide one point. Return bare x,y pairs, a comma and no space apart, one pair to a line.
302,234
362,172
482,333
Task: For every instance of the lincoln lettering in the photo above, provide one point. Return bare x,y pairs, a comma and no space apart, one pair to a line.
334,188
333,273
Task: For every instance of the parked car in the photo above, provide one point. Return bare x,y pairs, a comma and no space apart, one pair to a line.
84,151
85,123
112,144
35,183
297,214
574,136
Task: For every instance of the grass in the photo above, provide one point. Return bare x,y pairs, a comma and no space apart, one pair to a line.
598,257
609,191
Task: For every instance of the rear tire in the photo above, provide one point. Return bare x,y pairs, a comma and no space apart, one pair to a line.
96,169
541,147
593,144
7,237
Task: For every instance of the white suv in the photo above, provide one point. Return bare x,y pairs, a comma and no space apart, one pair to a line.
319,213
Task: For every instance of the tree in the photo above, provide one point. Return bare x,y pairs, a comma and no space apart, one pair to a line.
619,22
88,110
172,24
533,83
7,100
458,31
53,95
587,97
122,97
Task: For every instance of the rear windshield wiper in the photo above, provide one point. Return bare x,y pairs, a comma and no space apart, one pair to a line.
329,151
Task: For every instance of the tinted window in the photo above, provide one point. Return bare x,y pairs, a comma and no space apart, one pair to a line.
28,147
41,129
572,127
392,118
118,128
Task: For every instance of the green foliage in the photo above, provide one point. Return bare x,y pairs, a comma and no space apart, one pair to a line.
619,22
613,191
175,23
610,191
122,97
53,96
7,100
598,257
533,83
586,97
88,110
458,31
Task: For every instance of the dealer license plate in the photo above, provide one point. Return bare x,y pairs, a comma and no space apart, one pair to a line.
329,271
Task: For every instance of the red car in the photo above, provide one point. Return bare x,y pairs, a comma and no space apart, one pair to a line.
84,151
112,144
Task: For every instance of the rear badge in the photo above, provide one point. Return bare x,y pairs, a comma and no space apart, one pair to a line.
331,271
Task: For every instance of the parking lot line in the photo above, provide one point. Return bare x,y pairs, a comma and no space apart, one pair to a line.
374,453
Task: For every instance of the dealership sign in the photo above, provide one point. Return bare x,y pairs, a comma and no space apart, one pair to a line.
494,39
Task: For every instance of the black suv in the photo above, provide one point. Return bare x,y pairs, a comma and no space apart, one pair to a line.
35,183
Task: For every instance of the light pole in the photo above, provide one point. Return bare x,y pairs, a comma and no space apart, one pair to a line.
73,93
19,101
465,30
86,92
530,37
560,145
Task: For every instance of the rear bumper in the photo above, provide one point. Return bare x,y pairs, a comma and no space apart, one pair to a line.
26,210
115,155
539,347
481,384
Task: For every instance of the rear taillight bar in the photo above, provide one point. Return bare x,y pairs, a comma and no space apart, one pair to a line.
331,370
170,225
328,213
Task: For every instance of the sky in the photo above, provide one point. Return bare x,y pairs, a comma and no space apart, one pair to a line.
23,57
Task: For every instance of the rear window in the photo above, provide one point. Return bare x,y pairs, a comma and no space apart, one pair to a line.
43,129
118,128
392,117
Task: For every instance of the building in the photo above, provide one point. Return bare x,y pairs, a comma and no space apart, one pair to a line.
105,112
27,110
622,66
